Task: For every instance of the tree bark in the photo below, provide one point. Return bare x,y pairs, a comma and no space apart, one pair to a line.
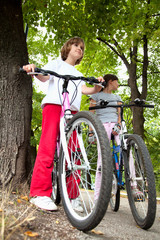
138,113
138,119
15,96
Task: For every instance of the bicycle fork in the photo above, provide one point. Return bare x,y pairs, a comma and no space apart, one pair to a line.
70,166
118,165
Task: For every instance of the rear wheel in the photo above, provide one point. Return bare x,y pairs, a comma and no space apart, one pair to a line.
115,194
140,182
90,178
55,181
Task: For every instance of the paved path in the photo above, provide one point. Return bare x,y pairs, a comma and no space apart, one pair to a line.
121,226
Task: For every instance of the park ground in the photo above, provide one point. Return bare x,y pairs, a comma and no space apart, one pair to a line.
19,220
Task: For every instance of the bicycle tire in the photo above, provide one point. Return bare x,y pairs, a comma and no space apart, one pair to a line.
143,206
115,194
83,176
55,181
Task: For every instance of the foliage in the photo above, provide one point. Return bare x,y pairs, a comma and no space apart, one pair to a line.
111,30
39,47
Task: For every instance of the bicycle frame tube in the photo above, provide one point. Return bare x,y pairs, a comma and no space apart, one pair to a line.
124,128
58,145
66,115
118,162
115,151
65,107
64,142
66,104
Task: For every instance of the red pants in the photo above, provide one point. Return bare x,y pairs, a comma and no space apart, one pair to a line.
41,184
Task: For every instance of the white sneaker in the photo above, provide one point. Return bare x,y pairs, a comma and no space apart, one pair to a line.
44,202
76,204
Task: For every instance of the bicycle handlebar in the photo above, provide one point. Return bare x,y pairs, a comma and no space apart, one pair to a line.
90,80
136,103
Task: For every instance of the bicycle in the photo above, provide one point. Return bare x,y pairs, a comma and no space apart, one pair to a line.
75,164
132,166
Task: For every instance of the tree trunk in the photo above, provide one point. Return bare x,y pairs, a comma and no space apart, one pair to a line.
138,113
138,118
15,96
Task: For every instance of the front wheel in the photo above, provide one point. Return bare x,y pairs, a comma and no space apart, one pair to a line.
140,182
86,187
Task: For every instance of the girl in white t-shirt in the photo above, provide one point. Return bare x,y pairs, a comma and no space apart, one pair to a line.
71,54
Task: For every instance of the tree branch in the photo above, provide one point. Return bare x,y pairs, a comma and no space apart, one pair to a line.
110,46
121,55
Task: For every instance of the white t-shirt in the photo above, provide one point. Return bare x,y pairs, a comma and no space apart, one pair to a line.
54,94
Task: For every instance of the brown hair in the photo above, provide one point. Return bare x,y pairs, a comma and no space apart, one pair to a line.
108,77
67,47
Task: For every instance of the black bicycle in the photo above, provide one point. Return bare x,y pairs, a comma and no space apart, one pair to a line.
133,167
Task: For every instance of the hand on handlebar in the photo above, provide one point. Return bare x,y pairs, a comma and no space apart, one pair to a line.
99,87
29,68
100,79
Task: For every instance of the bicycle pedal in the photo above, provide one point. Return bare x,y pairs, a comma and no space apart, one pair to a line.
139,200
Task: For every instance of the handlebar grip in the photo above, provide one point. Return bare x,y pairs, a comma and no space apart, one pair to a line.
95,80
104,84
38,70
